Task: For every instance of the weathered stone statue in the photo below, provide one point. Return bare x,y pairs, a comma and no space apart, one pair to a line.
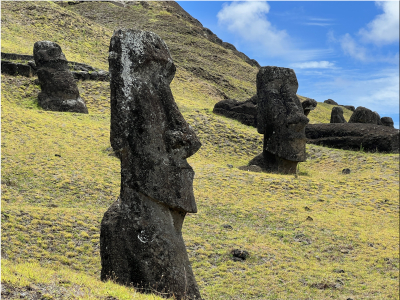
337,115
281,119
365,115
141,241
308,105
387,121
331,102
59,89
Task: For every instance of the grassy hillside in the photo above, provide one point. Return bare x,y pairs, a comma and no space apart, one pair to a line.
318,235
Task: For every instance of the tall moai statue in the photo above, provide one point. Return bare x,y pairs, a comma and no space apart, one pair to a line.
281,119
59,91
141,241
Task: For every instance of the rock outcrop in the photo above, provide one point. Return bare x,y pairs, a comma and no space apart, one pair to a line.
365,115
387,121
337,115
349,107
330,101
80,71
280,118
59,89
15,69
243,111
141,241
246,111
333,102
354,136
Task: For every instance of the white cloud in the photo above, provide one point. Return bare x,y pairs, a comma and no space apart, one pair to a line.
362,53
317,24
321,19
378,91
314,65
384,29
248,20
350,47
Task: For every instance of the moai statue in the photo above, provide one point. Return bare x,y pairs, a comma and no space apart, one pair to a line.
308,105
141,241
59,89
281,119
387,121
337,115
365,115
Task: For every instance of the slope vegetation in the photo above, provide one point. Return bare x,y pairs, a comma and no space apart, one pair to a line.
318,235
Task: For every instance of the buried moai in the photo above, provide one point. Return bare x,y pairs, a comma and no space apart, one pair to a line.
141,241
281,119
337,115
59,91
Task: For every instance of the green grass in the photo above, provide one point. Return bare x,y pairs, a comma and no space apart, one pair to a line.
52,205
60,283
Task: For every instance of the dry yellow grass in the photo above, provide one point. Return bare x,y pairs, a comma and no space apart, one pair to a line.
52,206
320,235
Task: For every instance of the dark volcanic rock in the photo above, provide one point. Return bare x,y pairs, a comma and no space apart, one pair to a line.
337,115
239,255
59,89
330,101
354,136
349,107
12,68
244,112
281,119
387,121
365,115
309,105
141,241
346,171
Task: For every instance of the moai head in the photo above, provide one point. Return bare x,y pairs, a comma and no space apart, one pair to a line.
148,133
280,115
45,52
337,115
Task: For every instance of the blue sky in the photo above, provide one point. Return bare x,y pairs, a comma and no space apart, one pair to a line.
345,51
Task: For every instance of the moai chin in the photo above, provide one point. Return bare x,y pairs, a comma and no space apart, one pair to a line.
280,118
141,241
59,91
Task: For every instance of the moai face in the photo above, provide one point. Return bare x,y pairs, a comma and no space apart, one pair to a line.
280,115
148,133
47,52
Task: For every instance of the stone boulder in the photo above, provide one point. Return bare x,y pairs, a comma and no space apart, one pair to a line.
280,118
354,136
387,121
245,112
59,89
141,242
337,115
330,101
365,115
349,107
308,105
12,68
